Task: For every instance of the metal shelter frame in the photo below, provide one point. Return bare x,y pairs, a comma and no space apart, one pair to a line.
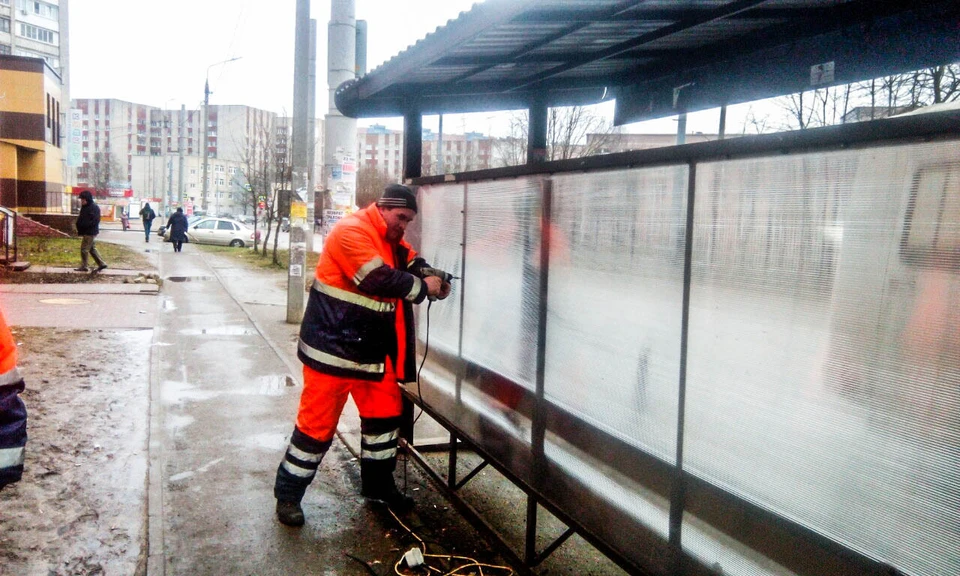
655,60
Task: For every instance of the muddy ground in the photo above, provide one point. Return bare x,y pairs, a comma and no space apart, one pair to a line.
81,506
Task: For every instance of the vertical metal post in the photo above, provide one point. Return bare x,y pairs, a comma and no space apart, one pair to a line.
682,128
538,433
180,152
205,143
462,367
537,132
439,150
412,144
530,542
452,463
678,490
721,132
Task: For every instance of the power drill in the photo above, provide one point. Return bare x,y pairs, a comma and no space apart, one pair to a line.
445,276
442,275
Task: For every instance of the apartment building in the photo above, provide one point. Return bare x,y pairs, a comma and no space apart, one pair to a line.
37,29
157,179
382,149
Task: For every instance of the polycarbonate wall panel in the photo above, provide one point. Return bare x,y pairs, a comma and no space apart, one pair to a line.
824,349
441,237
614,305
501,284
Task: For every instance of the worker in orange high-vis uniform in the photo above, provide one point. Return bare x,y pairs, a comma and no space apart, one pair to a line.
13,414
357,338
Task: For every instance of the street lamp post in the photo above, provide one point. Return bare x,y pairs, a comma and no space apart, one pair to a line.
206,123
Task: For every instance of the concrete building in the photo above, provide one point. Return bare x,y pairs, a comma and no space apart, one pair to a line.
382,149
36,29
31,167
157,179
137,147
610,143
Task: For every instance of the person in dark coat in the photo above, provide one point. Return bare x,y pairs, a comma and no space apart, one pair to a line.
178,230
147,215
88,226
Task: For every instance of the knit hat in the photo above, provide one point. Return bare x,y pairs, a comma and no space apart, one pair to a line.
398,196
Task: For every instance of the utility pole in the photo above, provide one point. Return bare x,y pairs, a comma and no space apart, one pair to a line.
206,121
183,119
301,108
205,143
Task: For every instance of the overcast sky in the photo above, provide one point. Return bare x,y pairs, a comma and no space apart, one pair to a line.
159,56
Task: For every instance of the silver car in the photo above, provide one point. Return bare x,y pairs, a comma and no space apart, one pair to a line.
221,231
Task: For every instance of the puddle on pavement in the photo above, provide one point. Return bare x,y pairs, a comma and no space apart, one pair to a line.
235,330
274,384
174,392
276,441
64,301
189,278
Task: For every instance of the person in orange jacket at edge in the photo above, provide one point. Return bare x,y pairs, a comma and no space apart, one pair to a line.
13,414
357,337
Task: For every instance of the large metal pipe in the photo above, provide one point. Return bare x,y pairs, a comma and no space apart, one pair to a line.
340,133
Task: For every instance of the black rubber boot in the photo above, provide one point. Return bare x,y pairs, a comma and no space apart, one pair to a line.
376,477
378,460
295,473
290,513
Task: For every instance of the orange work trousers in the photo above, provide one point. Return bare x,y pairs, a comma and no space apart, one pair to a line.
324,396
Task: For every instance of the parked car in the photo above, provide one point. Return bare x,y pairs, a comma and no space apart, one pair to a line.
220,231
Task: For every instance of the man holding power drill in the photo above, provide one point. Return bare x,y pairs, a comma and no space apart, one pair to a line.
357,337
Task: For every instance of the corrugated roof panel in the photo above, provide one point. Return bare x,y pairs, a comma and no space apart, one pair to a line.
438,73
512,71
505,39
709,33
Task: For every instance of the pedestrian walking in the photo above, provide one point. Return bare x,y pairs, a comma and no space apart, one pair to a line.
178,229
13,414
88,226
147,215
124,219
357,338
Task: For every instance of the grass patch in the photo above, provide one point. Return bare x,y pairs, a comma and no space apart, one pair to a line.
65,253
247,257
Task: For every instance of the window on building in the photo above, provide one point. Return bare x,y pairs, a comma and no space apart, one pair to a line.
5,25
39,34
4,49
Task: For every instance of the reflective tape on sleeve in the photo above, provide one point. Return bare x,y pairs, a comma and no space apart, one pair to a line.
366,269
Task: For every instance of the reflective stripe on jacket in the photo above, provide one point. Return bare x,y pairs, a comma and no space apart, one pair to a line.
362,281
13,414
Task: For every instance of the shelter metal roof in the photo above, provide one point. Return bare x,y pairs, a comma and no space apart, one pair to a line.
657,57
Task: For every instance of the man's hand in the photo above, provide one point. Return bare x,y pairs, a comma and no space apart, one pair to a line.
434,286
444,290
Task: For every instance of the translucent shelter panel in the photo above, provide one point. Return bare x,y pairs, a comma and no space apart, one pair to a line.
441,238
501,284
824,353
614,303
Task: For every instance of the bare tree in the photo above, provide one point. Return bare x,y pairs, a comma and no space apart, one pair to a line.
260,173
103,170
567,131
881,97
370,185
